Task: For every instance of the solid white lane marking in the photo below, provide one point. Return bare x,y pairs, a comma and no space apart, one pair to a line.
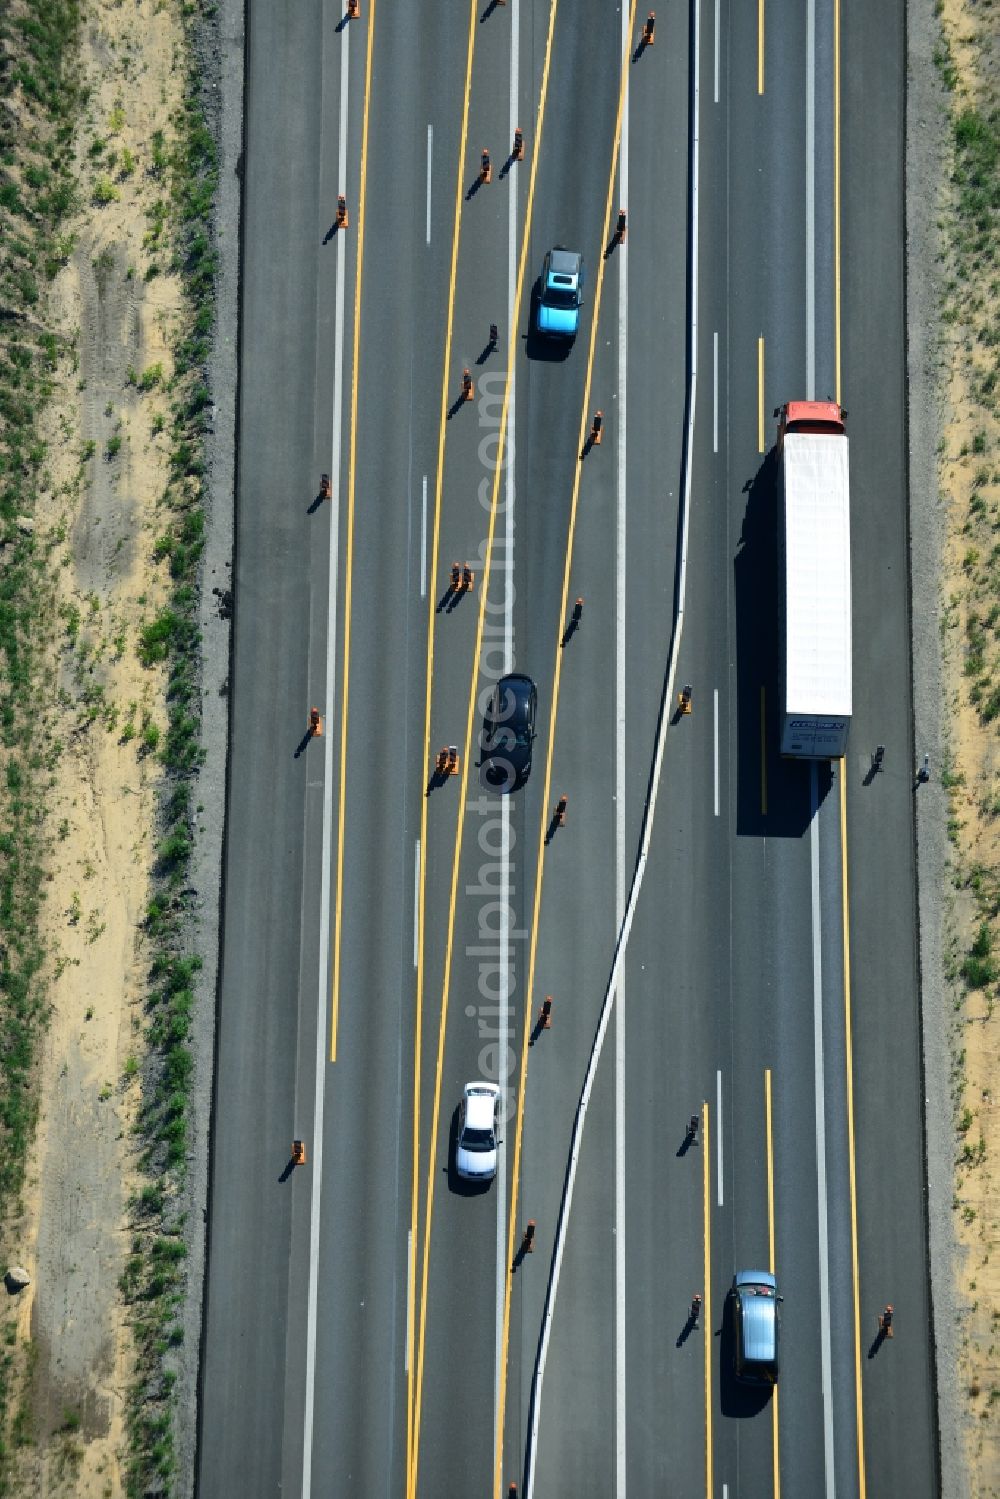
718,1138
715,739
811,200
323,980
423,539
717,51
826,1357
416,904
430,169
621,594
715,392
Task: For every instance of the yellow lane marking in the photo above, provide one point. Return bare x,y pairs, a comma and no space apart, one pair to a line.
550,749
349,551
761,440
760,46
763,753
769,1135
706,1183
852,1171
836,194
428,687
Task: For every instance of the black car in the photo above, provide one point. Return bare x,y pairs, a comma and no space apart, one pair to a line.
508,732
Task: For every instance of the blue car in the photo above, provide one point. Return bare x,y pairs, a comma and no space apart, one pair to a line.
561,294
757,1322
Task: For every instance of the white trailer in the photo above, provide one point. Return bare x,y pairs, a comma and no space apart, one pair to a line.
815,580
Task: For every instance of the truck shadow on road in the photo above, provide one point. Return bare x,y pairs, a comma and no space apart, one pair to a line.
772,794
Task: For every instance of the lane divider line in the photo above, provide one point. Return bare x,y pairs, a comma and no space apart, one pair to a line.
771,1265
763,752
761,436
719,1163
430,171
760,46
352,475
621,598
707,1336
319,1086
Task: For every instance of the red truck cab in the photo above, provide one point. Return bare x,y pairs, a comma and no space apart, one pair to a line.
809,416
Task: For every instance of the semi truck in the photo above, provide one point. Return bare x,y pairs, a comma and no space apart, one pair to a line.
814,566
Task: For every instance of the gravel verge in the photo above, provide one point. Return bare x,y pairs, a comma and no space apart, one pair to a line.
926,173
220,59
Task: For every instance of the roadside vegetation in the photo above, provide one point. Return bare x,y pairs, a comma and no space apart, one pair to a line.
968,60
37,192
49,649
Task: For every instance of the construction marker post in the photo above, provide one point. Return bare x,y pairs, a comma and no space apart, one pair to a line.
467,390
453,759
325,487
517,150
597,430
315,724
298,1152
441,763
456,576
485,167
545,1014
684,699
647,30
620,227
528,1242
559,816
578,611
468,579
343,222
353,9
494,336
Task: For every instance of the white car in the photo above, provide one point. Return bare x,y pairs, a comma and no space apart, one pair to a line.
476,1145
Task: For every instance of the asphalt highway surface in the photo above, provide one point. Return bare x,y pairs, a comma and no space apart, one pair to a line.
374,1324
